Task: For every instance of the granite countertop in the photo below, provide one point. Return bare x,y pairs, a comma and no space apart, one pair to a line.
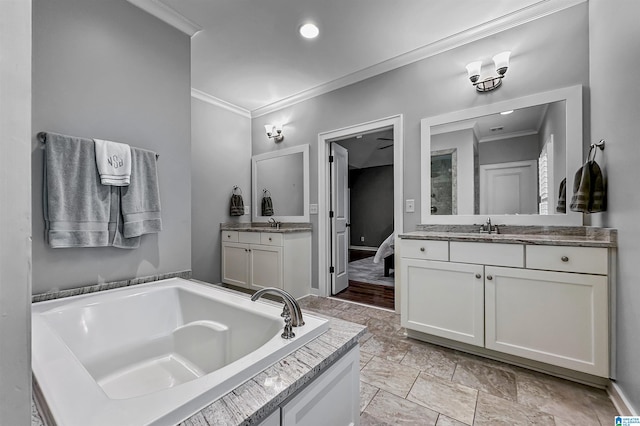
285,227
579,236
254,400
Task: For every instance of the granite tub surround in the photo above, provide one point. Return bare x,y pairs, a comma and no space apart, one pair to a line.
58,294
578,236
285,227
254,400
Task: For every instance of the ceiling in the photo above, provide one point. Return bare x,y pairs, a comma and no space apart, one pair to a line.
521,122
249,54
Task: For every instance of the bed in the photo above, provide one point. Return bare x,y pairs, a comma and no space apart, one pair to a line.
385,253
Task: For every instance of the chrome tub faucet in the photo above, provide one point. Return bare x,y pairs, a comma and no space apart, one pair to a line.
291,307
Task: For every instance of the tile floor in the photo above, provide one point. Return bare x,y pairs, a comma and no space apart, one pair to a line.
407,382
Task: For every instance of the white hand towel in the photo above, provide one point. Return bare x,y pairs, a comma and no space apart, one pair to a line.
114,162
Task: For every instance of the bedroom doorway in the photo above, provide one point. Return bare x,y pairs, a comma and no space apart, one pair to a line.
371,211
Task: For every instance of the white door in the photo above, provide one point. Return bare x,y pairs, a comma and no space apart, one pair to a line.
340,209
445,299
509,188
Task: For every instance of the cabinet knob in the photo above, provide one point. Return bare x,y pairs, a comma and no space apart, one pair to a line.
564,258
228,236
269,238
478,276
489,277
422,249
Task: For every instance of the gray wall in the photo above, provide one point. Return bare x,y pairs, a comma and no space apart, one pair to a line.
221,159
15,211
371,208
106,69
555,47
507,150
613,37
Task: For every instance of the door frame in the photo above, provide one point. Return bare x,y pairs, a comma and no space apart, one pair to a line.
324,228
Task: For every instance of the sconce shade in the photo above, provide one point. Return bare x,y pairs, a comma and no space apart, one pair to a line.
501,60
473,69
274,131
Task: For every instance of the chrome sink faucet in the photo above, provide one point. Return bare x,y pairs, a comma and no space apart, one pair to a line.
488,228
291,307
274,223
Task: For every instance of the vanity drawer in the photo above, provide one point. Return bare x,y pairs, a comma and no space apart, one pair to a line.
588,260
271,239
229,236
425,249
488,253
249,237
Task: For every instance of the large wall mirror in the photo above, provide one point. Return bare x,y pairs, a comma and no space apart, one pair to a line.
280,185
507,160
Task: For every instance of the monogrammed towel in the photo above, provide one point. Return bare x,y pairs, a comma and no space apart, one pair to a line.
114,162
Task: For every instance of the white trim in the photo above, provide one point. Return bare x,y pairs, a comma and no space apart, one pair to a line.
512,135
169,15
620,400
205,97
573,97
541,9
396,121
255,190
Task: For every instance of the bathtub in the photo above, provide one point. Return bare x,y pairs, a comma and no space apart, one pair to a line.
153,354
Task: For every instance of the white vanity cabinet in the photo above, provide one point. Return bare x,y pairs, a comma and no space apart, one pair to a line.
333,398
255,260
538,302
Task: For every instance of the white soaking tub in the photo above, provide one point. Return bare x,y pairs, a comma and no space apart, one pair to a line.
153,354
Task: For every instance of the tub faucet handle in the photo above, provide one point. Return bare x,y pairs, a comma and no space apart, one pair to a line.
287,333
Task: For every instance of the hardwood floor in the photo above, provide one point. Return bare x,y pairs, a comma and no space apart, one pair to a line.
369,294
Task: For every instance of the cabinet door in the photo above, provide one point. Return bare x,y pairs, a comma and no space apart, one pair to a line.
554,317
235,264
444,299
266,266
331,399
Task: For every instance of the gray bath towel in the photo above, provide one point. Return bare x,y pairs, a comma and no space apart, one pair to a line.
76,206
140,201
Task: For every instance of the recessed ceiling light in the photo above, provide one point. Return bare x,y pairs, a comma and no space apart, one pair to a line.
506,112
309,31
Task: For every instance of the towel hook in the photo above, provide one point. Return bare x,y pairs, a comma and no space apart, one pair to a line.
599,144
238,189
266,193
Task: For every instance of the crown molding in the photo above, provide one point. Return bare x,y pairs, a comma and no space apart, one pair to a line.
514,19
511,135
169,15
205,97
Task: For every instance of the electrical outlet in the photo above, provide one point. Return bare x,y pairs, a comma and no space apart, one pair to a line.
362,239
410,206
313,209
247,209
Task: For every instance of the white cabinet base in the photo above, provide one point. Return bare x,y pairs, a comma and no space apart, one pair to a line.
331,399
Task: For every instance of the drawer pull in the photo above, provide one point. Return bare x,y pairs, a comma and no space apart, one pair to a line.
478,276
228,236
564,258
422,249
489,277
270,239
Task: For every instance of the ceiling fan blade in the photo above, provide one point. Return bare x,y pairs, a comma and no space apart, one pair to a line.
384,139
386,146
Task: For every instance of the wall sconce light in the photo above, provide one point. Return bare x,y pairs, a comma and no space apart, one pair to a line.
501,61
274,131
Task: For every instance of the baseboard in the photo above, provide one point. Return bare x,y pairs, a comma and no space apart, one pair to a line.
363,248
620,401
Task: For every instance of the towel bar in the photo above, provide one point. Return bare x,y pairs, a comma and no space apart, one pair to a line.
42,137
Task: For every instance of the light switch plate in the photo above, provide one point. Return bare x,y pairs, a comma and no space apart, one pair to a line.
410,206
313,209
247,209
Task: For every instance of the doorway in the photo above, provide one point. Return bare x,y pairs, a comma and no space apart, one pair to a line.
365,143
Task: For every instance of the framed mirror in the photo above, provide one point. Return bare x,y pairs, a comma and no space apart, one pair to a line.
280,185
507,161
